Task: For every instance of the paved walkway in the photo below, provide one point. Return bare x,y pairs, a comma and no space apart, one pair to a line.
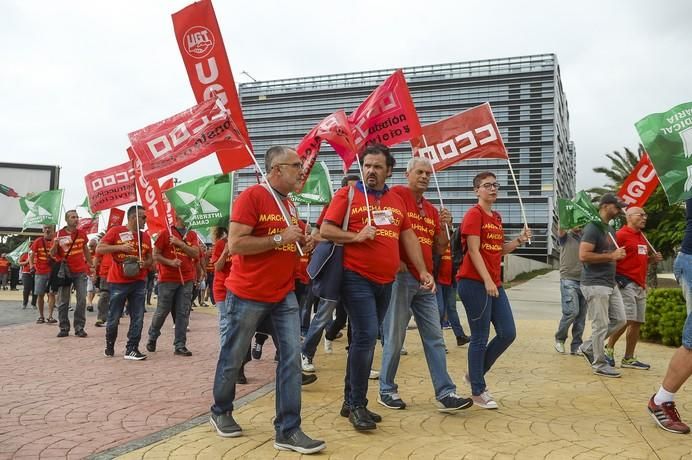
61,398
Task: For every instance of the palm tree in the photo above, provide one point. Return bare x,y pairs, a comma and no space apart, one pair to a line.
622,166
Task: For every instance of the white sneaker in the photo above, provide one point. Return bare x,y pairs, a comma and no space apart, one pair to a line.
374,375
403,351
328,346
307,363
484,401
560,346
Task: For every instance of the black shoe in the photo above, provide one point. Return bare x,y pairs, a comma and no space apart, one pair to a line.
299,442
346,410
100,323
241,379
182,351
360,419
63,333
256,351
151,346
307,379
90,308
81,333
391,401
109,352
463,340
453,402
134,355
225,425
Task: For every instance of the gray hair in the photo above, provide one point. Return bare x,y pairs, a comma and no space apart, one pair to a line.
415,160
273,153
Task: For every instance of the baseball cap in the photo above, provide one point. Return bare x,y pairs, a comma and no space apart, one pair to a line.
610,198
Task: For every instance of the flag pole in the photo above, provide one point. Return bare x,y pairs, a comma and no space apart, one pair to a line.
365,189
437,186
271,191
649,243
307,219
516,186
139,232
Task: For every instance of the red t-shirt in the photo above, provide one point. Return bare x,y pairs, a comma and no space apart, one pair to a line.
25,258
444,273
319,220
105,262
167,250
377,259
268,276
425,222
4,265
120,234
41,250
75,259
635,264
489,229
220,275
302,269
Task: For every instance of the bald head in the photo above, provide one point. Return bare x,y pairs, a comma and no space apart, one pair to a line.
636,218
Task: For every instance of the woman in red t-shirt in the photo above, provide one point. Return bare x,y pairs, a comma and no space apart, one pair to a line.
480,287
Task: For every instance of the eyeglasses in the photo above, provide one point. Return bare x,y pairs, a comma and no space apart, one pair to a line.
295,166
640,214
490,185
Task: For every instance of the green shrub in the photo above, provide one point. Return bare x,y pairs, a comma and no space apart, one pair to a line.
665,317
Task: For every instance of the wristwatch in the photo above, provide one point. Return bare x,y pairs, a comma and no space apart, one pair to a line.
278,239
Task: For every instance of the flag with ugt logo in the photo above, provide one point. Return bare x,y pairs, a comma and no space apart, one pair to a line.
640,183
171,144
667,137
204,202
472,133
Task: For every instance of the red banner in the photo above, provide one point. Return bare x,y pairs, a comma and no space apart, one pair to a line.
472,133
387,116
336,131
171,144
110,187
88,224
115,218
151,197
204,54
640,184
170,212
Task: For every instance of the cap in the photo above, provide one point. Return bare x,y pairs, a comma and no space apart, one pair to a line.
610,198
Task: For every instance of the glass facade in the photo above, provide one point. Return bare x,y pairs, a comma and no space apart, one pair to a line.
526,97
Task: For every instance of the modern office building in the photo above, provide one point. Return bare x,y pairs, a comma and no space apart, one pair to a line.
527,99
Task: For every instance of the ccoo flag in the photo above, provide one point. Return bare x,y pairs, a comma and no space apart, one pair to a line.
204,202
41,208
667,137
318,187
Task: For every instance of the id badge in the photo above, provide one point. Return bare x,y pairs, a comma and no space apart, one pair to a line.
383,217
65,242
642,250
126,236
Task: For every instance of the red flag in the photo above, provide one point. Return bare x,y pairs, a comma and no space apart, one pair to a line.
336,131
387,116
472,133
115,218
89,224
184,138
170,212
111,187
640,184
206,62
151,197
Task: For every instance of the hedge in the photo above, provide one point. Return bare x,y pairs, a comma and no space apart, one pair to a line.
665,316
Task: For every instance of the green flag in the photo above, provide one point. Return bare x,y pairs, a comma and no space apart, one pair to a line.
204,202
41,208
318,187
577,212
18,251
667,137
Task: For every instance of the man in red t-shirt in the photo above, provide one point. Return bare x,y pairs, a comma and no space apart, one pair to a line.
4,271
71,246
371,242
130,250
409,296
261,284
177,253
630,275
43,283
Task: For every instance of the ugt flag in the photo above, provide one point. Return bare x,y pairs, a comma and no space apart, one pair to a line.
667,137
184,138
640,183
204,202
472,133
577,212
17,252
318,187
41,208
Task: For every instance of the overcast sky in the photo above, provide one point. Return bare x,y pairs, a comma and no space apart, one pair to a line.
77,76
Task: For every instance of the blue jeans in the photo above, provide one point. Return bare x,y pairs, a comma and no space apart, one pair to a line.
135,293
408,294
573,313
325,312
447,303
481,311
682,268
366,303
223,319
243,317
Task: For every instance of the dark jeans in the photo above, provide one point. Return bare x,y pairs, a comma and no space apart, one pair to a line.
481,311
135,294
333,329
304,298
28,284
104,300
447,304
210,287
151,280
325,310
79,282
172,297
366,303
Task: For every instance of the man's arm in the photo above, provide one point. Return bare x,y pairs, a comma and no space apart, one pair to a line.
190,251
441,238
587,254
415,254
158,258
87,255
331,232
221,261
242,242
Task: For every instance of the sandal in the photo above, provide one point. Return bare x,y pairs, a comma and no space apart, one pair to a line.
41,320
51,320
